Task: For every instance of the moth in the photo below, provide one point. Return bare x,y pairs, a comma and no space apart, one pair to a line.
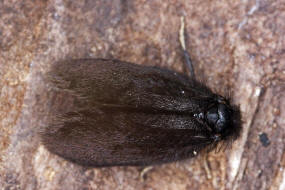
119,113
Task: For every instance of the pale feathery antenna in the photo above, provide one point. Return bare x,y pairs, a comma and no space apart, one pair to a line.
183,45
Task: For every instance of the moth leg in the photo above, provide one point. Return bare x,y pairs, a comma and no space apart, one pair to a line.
186,54
207,168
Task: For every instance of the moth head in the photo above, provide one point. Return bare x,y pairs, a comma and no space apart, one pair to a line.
223,119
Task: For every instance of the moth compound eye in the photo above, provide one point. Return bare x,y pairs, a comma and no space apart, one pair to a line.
224,118
218,117
212,116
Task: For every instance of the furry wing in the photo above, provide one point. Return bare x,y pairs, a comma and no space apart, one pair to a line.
107,137
117,83
109,113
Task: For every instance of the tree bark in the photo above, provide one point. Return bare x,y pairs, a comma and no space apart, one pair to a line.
237,48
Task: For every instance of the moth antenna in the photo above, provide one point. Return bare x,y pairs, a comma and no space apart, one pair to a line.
187,57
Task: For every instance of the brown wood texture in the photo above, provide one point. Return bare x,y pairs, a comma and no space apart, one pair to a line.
237,47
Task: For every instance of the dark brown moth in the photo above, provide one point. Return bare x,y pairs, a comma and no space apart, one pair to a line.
120,113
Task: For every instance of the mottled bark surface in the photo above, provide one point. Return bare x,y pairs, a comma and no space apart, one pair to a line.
238,47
